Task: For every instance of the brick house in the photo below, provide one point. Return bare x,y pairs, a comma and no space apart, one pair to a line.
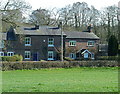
34,44
44,43
81,45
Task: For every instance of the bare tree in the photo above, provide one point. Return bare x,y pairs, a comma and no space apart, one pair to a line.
12,12
40,16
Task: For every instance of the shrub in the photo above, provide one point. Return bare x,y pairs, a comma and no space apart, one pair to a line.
8,58
108,58
18,57
12,58
68,59
56,64
112,46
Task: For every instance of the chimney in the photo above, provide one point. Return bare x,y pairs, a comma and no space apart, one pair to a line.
89,28
36,26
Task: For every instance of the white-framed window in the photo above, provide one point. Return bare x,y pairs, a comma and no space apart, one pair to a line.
50,55
27,54
90,43
10,53
1,43
27,41
72,43
1,53
72,55
50,42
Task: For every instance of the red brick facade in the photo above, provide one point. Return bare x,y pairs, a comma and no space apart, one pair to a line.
81,44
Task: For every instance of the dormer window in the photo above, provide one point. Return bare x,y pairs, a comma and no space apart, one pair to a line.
50,42
27,41
90,43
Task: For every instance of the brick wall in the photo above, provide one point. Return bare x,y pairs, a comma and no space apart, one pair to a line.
81,44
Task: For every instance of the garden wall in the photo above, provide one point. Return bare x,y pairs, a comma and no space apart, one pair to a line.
55,64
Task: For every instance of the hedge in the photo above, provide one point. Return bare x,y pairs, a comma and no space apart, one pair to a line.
108,58
12,58
55,64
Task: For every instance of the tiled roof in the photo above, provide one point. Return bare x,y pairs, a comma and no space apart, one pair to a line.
44,30
76,34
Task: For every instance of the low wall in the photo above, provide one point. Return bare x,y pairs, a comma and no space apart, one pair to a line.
55,64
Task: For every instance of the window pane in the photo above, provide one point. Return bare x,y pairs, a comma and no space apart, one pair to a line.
27,40
72,43
50,41
27,55
72,55
1,53
10,53
90,43
50,54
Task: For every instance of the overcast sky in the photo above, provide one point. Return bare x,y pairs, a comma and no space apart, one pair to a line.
49,4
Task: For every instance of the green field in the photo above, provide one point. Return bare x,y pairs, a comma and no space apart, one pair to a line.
61,80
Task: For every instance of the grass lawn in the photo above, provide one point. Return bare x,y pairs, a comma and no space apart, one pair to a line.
61,80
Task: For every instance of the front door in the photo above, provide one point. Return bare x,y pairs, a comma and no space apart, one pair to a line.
35,57
86,55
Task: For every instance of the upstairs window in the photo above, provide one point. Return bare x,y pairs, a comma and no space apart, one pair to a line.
10,53
90,43
27,54
27,41
72,43
1,53
50,42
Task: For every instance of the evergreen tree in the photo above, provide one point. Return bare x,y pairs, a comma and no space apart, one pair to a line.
112,46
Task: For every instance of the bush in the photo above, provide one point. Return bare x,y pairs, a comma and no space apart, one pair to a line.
18,57
56,64
68,59
12,58
108,58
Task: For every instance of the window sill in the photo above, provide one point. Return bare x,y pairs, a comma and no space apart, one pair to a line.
50,45
50,59
27,44
90,46
72,45
27,58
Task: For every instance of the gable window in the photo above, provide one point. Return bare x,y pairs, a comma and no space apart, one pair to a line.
50,42
90,43
27,41
10,53
1,43
1,53
73,55
72,43
50,55
27,54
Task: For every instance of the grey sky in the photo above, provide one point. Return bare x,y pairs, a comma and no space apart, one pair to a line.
49,4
